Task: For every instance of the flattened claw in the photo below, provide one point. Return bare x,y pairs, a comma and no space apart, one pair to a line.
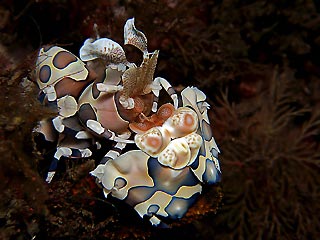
135,37
103,48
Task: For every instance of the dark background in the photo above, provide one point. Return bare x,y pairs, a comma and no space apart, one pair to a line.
257,61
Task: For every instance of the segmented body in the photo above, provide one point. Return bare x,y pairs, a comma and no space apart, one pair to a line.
102,98
163,178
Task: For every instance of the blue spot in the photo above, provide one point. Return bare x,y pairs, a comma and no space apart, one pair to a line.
153,209
41,96
214,152
139,194
120,182
178,207
45,73
161,177
76,153
53,165
202,150
211,174
206,130
195,164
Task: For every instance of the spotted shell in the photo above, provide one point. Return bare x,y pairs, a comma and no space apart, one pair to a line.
176,149
104,107
101,106
206,167
60,73
152,189
164,177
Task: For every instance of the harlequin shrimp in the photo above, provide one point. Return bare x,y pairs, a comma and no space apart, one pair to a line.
164,177
89,92
102,97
